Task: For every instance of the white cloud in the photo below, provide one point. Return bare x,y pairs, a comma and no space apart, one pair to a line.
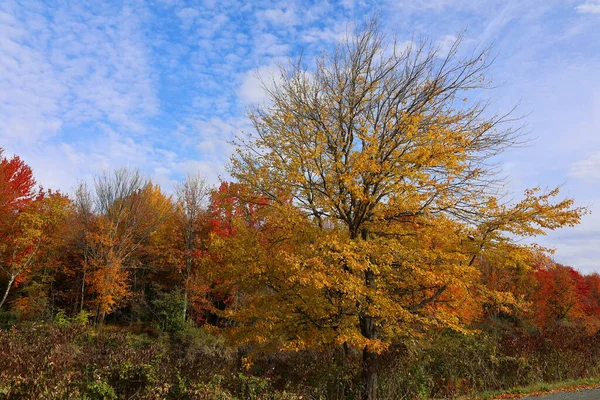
96,84
589,7
578,246
252,89
73,68
349,4
445,44
212,27
213,137
587,169
280,16
208,170
434,5
269,45
330,34
76,89
188,15
59,166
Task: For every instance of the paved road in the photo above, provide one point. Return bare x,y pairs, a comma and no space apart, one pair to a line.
586,394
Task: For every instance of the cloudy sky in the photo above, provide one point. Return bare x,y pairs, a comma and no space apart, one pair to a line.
164,84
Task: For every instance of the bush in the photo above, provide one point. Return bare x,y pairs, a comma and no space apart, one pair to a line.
129,378
99,390
61,320
82,318
65,359
168,309
7,319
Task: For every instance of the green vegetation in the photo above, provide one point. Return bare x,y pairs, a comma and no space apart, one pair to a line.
65,359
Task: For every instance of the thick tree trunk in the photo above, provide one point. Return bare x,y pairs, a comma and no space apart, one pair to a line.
368,330
10,282
369,371
369,357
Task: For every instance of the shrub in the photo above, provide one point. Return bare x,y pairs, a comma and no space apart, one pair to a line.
168,309
7,319
99,390
61,320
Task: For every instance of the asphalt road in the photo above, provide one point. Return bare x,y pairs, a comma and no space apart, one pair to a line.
585,394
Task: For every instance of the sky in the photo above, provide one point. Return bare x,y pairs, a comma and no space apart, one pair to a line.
164,85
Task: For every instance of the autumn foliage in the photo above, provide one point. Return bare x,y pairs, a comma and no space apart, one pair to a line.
364,250
257,271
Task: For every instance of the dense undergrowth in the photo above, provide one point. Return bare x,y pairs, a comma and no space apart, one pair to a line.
68,359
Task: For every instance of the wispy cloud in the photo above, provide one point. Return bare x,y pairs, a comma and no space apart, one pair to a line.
589,7
62,67
91,84
280,16
252,89
587,169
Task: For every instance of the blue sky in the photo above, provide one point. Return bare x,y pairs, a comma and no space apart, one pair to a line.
163,85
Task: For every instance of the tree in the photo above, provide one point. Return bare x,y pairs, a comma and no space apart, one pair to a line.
17,190
82,231
561,295
236,216
30,231
380,150
129,209
17,186
192,196
27,218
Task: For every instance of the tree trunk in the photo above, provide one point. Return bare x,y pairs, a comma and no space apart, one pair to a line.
185,303
82,291
369,371
10,282
368,330
369,358
188,269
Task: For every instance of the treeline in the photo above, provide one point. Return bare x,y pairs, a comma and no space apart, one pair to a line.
124,253
114,250
364,249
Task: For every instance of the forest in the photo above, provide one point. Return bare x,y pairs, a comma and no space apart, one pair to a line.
363,247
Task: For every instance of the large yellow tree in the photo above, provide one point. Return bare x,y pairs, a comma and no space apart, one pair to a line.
383,195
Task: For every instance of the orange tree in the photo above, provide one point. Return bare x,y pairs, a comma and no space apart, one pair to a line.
128,210
379,175
562,295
